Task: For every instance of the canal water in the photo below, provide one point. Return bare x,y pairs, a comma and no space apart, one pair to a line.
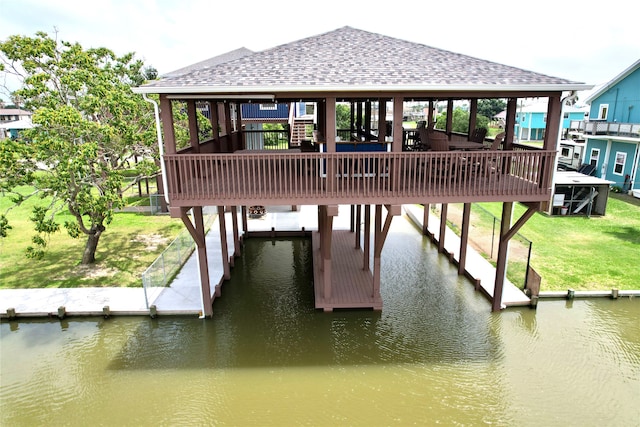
435,354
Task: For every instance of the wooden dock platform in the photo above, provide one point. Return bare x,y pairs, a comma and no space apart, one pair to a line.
351,285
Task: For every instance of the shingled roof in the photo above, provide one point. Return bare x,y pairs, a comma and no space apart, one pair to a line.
348,59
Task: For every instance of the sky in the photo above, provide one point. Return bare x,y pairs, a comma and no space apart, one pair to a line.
584,41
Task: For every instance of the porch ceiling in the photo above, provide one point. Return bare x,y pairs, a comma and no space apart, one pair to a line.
348,60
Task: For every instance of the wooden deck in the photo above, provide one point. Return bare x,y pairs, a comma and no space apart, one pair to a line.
352,287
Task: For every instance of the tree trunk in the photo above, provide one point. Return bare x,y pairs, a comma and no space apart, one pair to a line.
89,254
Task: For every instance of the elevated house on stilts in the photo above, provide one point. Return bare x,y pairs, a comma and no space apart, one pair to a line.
372,164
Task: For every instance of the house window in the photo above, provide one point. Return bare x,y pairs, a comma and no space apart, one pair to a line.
564,152
621,159
595,154
309,109
565,115
268,106
602,112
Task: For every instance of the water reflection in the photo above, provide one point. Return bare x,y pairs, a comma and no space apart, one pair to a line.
266,319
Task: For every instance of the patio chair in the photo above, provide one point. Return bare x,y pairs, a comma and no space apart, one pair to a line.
478,135
424,133
441,167
496,142
493,164
439,141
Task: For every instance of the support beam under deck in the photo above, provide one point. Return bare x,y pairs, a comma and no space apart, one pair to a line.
196,229
506,233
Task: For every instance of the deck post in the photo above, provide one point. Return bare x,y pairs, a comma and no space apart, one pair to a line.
166,116
512,105
501,263
367,237
367,117
321,215
473,111
381,232
425,219
377,250
196,229
449,125
352,218
236,234
213,119
358,222
192,118
464,237
223,246
326,235
228,125
398,104
443,226
430,119
382,114
245,226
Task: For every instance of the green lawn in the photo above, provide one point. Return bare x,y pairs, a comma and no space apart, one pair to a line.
568,252
585,253
129,245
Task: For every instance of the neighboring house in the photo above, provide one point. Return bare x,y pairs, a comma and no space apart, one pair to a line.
372,73
612,133
12,121
13,114
531,120
500,119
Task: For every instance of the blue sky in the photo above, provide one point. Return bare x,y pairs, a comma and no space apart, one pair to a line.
553,37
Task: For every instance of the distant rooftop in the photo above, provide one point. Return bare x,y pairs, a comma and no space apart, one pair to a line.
14,112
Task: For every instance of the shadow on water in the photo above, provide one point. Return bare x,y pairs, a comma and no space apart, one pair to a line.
266,317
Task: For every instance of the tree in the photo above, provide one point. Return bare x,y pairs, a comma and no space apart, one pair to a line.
88,125
490,107
460,121
343,116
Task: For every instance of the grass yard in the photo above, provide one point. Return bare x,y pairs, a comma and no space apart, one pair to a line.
585,253
129,245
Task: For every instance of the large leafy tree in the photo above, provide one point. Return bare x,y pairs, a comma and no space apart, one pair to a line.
88,127
490,107
460,121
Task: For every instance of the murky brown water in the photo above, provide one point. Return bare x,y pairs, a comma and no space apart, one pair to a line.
434,355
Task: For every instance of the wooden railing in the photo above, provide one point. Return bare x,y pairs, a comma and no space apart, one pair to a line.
354,178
